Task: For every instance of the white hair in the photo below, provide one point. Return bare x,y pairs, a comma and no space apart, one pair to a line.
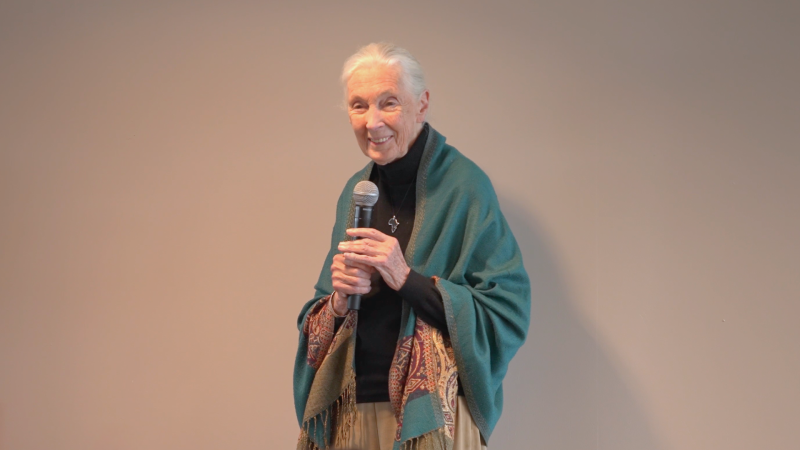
390,55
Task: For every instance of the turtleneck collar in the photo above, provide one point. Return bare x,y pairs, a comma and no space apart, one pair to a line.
403,170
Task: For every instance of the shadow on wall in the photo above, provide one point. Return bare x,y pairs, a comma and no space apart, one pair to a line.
562,391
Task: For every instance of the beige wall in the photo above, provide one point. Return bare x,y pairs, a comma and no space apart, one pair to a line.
168,174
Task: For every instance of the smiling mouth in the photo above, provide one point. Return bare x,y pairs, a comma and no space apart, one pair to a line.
380,141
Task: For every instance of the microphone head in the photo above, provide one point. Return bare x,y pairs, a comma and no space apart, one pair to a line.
365,193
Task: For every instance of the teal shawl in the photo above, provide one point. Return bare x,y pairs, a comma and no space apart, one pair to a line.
460,238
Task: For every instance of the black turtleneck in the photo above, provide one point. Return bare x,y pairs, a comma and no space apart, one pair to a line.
379,317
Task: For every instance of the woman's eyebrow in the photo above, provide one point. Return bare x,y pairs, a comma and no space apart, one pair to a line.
355,98
382,94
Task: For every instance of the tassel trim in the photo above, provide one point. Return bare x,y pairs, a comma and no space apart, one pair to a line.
337,422
434,440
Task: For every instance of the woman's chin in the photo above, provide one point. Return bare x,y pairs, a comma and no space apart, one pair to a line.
380,158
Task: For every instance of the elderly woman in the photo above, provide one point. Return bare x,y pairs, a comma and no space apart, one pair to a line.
446,300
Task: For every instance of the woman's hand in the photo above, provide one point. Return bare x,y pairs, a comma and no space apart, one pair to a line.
379,251
347,279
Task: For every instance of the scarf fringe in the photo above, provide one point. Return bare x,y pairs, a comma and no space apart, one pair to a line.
342,416
434,440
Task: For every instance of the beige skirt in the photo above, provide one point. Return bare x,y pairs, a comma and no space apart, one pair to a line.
375,428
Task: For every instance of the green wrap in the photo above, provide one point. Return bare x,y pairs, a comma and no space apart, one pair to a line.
461,237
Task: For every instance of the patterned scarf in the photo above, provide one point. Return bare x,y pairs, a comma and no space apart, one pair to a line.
423,374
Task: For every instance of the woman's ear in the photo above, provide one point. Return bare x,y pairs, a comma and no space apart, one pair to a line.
422,112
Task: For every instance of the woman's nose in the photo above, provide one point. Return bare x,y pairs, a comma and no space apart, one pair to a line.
374,118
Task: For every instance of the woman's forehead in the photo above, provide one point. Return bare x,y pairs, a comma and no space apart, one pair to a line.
375,81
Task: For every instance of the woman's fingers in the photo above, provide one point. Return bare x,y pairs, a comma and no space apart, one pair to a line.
346,289
360,258
349,289
348,279
368,260
358,270
363,247
350,285
354,269
370,233
385,256
353,281
369,270
368,252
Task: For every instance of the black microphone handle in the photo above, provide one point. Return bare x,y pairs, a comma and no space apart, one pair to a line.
362,218
354,302
366,217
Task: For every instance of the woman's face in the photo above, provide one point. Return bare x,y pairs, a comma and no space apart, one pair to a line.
385,116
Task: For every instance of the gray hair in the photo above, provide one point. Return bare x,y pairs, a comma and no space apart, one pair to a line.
390,55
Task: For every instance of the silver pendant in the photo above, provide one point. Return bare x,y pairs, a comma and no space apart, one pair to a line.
394,223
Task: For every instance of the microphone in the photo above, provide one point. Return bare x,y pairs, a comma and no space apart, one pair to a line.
365,195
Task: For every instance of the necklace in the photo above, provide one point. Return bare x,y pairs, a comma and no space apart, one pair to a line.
393,221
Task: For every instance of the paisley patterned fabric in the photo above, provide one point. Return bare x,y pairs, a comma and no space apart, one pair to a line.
330,410
424,363
319,328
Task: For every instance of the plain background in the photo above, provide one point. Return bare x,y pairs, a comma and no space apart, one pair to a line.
169,172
